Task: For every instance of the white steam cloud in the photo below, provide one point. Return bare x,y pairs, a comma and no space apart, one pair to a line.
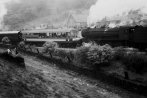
109,9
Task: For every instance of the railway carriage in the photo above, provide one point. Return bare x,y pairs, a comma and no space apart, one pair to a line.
63,37
50,33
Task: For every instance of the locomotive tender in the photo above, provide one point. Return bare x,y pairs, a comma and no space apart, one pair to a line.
134,36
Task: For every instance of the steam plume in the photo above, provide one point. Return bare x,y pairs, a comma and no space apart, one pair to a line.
123,10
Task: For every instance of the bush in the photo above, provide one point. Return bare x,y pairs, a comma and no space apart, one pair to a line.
65,53
135,62
21,44
49,47
93,54
100,54
88,44
27,46
119,53
5,40
132,60
81,55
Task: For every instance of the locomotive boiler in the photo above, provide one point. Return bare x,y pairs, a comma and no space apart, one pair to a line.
134,36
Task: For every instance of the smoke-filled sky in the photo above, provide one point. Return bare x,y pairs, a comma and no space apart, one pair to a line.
17,13
3,11
112,8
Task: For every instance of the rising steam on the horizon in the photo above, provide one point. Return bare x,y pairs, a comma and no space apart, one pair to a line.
117,12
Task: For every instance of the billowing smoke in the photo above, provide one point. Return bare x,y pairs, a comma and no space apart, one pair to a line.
3,11
26,11
117,12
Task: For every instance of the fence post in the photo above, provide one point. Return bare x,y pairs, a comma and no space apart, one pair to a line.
69,60
30,48
37,50
51,55
126,75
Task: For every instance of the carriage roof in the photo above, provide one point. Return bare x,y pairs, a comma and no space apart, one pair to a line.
47,31
8,32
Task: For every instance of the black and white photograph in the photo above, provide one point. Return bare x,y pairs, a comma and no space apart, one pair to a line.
73,48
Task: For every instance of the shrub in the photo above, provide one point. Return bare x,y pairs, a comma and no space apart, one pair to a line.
27,47
88,44
100,54
65,53
119,53
81,55
49,47
33,48
21,44
93,54
132,60
135,62
5,40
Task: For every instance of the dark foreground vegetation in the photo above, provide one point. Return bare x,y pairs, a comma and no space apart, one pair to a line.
96,57
124,67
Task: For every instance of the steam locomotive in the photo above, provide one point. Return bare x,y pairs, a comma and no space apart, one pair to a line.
133,36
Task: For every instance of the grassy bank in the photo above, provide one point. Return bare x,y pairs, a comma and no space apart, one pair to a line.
17,82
